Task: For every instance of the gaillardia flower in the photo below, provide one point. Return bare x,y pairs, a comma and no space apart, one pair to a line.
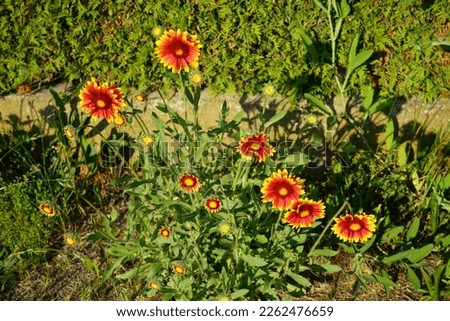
179,268
303,213
282,189
47,209
189,183
177,49
101,100
164,232
355,228
213,205
255,145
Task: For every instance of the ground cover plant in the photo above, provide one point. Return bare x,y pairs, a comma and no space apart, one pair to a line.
249,44
229,213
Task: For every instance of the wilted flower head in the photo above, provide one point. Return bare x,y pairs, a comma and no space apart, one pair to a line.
196,77
70,132
154,285
119,120
157,31
224,228
139,97
179,268
71,239
269,90
164,232
47,209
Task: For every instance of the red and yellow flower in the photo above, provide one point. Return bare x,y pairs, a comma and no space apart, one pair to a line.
47,209
101,100
304,212
189,183
282,189
178,50
355,228
164,232
256,145
213,205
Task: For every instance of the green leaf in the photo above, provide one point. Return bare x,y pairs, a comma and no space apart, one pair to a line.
327,253
379,279
310,48
413,229
320,5
447,181
238,294
253,260
367,245
421,253
367,93
319,104
359,59
128,274
331,268
261,239
299,279
109,271
390,134
380,105
275,118
397,257
445,241
188,94
345,8
412,277
402,157
391,233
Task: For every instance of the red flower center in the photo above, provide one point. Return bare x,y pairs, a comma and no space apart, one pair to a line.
304,210
254,146
180,49
355,226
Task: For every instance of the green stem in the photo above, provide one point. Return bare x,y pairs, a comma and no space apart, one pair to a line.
328,226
